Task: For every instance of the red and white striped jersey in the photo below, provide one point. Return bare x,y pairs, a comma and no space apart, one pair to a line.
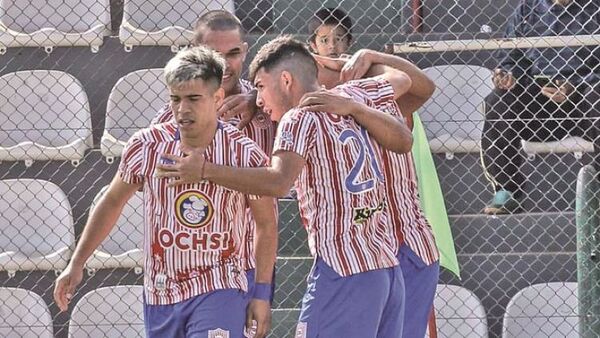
262,131
409,223
340,189
193,233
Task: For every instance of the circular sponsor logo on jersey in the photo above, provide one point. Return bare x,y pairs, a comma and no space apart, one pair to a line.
263,120
193,209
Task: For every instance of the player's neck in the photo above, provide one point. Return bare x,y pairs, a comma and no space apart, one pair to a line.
300,91
237,89
202,139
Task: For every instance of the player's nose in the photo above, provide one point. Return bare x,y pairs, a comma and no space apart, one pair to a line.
259,101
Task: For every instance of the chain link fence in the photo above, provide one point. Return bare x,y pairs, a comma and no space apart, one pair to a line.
78,77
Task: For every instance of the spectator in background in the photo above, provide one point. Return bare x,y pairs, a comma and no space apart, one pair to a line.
540,94
330,32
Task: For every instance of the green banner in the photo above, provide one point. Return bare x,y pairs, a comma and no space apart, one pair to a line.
432,200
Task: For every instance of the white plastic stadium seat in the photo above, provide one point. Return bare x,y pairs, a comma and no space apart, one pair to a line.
570,144
547,310
109,312
123,247
24,314
453,117
45,115
133,102
38,23
36,226
164,22
459,313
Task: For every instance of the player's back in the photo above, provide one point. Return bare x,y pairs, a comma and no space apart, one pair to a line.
408,222
340,190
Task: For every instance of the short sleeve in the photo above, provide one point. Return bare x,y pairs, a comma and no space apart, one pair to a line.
130,168
376,92
377,88
296,133
254,157
165,114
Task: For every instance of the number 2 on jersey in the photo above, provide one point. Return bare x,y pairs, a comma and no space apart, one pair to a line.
351,181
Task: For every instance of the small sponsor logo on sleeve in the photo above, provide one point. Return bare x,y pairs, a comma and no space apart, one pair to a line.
218,333
300,330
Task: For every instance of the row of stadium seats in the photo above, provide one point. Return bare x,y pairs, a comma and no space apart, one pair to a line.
49,24
37,23
541,310
48,114
38,232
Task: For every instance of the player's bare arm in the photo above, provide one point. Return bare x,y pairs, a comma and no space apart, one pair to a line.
265,241
98,227
389,131
275,180
360,65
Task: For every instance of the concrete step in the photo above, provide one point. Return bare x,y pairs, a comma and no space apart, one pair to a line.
510,234
473,234
550,186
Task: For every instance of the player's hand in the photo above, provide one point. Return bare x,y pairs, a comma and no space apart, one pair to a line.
335,64
329,70
259,314
183,170
240,105
327,101
357,66
558,94
503,80
65,285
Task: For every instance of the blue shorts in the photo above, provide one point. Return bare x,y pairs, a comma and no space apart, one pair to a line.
420,282
203,316
250,275
363,305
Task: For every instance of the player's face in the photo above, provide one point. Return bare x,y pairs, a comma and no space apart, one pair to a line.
330,40
229,44
272,95
194,104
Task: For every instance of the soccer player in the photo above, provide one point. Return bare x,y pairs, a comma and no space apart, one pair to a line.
194,283
223,32
355,288
418,253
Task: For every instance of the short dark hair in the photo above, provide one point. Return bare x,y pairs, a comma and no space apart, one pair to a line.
282,50
218,20
330,16
195,63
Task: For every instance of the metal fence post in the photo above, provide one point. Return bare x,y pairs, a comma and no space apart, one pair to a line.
588,252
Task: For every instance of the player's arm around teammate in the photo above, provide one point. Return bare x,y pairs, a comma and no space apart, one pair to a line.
389,131
100,222
259,308
334,71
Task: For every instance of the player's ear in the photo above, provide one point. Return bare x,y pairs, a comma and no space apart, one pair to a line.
286,79
313,46
219,96
244,50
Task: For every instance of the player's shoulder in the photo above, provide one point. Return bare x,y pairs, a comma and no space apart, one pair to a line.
157,133
370,83
246,86
233,135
